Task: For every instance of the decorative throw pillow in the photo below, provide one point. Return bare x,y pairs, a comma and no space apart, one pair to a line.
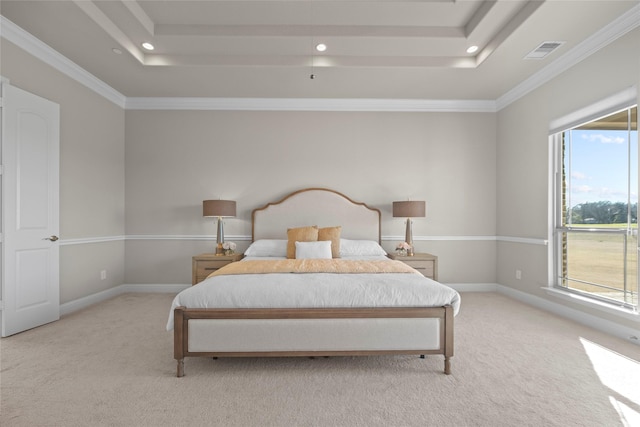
332,234
267,248
313,250
300,234
360,248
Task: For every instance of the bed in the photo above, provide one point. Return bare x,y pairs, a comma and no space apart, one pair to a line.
333,295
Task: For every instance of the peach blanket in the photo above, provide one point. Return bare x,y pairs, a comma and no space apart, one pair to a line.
314,266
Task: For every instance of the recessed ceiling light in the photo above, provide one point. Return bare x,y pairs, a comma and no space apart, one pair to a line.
472,49
321,47
148,46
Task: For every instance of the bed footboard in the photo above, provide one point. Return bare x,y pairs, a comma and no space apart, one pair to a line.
313,332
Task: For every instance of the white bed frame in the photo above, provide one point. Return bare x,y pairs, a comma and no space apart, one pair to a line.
313,331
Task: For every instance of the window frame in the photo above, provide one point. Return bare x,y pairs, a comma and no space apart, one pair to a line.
557,228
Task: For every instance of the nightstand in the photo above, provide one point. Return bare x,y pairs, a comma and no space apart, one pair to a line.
205,264
426,264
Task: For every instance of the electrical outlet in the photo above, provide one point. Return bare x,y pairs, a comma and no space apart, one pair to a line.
519,274
103,274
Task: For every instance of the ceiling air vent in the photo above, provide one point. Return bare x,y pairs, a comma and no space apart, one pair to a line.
543,50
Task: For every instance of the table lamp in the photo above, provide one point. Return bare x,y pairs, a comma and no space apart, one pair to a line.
220,209
409,209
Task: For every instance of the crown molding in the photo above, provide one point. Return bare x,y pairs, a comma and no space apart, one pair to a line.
608,34
48,55
617,28
311,104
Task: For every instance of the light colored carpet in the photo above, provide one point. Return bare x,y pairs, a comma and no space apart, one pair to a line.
112,365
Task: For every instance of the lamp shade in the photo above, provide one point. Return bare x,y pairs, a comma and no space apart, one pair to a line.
219,208
409,209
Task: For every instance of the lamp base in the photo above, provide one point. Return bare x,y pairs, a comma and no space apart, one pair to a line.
219,250
220,238
408,237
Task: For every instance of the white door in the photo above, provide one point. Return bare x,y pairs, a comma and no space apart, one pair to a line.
30,188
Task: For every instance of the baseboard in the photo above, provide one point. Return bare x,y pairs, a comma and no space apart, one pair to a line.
84,302
612,328
473,287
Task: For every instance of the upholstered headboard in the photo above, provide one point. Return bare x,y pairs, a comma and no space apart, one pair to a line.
316,206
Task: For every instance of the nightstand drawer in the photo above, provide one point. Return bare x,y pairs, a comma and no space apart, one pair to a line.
426,264
205,268
205,264
425,267
209,266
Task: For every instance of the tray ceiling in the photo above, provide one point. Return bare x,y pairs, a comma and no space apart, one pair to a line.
400,49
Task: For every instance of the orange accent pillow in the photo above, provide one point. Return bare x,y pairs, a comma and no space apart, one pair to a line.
300,234
333,234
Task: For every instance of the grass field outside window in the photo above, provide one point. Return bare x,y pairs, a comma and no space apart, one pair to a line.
595,262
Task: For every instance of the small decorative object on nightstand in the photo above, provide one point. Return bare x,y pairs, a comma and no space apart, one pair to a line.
229,248
426,264
205,264
404,249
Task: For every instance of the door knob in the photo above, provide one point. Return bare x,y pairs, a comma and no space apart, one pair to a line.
52,238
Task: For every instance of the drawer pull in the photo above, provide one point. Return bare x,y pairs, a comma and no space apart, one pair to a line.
211,268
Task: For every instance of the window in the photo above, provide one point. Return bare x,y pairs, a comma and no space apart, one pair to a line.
596,208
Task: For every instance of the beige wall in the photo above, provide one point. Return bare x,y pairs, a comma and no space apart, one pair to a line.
91,172
482,174
523,157
176,159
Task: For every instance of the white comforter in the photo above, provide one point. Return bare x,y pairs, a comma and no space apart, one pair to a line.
316,290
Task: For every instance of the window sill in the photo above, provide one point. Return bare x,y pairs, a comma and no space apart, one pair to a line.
595,304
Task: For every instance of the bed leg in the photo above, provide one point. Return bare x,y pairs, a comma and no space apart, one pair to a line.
447,365
180,371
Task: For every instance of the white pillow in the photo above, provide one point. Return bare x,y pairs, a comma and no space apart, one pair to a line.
267,248
313,250
360,248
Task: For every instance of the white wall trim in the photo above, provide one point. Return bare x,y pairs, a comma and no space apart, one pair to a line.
229,237
581,317
474,287
247,238
444,238
593,303
617,28
45,53
84,302
88,240
313,104
524,240
609,105
608,34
